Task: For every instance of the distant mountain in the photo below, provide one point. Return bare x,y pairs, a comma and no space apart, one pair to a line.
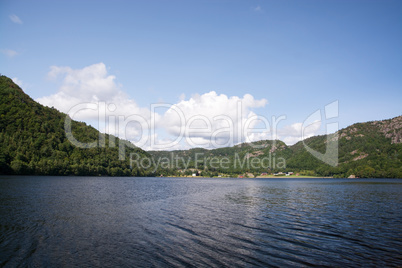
33,141
229,160
372,149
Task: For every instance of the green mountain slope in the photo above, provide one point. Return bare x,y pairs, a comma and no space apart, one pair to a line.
229,160
247,157
372,149
33,141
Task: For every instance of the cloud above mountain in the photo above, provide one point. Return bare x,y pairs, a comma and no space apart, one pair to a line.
208,120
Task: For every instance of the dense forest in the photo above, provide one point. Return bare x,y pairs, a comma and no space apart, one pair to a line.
366,150
33,141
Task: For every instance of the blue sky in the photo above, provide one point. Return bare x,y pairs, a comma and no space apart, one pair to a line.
292,57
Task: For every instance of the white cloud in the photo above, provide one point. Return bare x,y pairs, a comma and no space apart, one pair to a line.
14,18
21,84
9,52
291,134
18,82
91,84
257,9
218,115
209,120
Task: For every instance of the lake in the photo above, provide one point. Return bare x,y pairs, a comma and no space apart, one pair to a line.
199,222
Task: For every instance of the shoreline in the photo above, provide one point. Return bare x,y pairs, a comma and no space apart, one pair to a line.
258,177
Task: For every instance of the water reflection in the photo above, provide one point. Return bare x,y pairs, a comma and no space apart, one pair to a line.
201,222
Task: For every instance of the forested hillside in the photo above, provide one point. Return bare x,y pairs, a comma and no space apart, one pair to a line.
371,149
33,141
254,157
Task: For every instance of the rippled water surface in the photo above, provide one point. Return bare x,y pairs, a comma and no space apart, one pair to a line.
148,222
